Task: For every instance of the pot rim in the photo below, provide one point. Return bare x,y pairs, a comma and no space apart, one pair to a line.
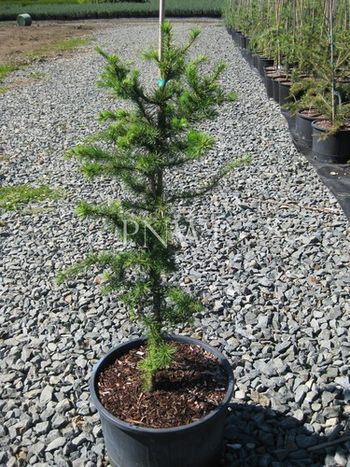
315,122
286,83
279,79
306,117
154,431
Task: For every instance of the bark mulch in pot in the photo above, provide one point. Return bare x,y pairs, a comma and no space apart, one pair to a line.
310,113
193,386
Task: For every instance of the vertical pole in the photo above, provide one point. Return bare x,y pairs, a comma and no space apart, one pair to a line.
161,21
332,12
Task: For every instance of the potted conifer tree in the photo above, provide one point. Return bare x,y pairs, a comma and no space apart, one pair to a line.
324,119
162,399
331,136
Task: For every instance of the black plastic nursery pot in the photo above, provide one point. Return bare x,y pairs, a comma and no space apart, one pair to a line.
255,60
290,119
231,31
249,57
284,95
245,55
243,42
198,444
331,149
238,37
270,72
344,93
276,87
262,64
303,127
268,84
275,90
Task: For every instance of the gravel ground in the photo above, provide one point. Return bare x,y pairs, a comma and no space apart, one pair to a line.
271,261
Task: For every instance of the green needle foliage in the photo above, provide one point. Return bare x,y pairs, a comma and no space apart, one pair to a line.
138,148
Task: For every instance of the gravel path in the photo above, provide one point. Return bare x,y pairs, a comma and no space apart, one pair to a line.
271,261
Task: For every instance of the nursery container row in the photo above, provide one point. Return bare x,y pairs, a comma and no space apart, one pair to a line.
301,49
42,10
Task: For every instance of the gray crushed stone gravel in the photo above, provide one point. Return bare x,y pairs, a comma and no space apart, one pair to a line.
270,261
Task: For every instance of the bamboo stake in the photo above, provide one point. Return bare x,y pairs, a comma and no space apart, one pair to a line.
331,17
329,443
161,21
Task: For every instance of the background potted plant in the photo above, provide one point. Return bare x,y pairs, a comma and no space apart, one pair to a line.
331,136
309,43
140,147
320,98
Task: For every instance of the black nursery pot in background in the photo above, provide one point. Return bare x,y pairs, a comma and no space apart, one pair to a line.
303,127
276,87
238,38
245,54
290,119
262,64
232,32
198,444
243,42
268,84
284,92
330,149
255,60
249,57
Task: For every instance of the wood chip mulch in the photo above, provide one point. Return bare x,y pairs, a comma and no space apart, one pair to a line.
188,390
